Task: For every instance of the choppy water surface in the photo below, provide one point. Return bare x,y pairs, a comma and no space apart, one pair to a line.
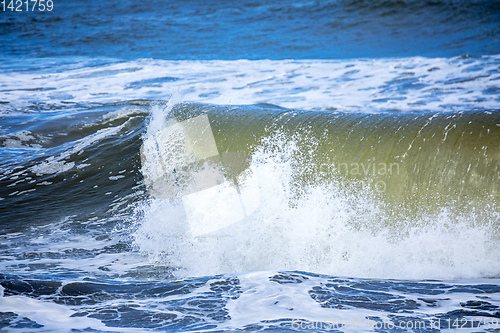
206,167
298,29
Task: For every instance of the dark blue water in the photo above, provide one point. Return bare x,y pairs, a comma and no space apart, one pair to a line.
254,29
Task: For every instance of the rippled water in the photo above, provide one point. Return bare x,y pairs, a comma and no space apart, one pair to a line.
201,30
287,166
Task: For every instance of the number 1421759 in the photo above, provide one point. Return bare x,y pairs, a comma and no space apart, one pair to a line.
27,5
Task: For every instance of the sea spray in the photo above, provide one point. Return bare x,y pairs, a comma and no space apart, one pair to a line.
325,227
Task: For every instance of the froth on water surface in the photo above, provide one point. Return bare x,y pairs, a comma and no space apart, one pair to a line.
257,301
362,85
121,209
249,166
298,195
332,194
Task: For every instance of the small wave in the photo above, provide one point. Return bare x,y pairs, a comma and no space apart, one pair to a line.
69,163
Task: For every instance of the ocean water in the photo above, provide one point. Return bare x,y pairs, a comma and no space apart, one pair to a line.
323,166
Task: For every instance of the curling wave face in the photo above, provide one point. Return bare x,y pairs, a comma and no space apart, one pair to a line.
330,192
392,194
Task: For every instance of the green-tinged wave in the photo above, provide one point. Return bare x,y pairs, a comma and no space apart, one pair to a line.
413,161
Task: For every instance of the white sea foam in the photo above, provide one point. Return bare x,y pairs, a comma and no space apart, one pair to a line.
264,300
53,317
321,228
58,164
362,84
